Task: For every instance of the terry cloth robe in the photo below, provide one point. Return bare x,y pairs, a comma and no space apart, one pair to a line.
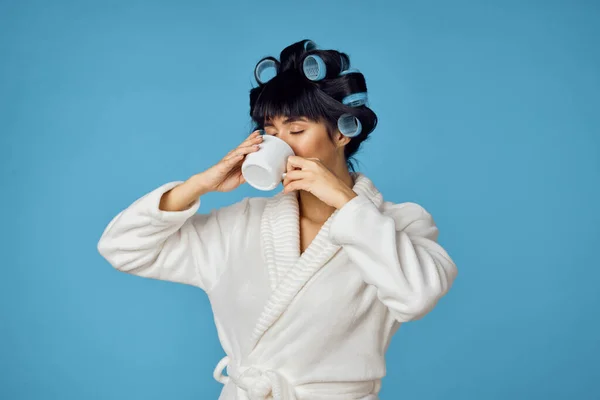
293,326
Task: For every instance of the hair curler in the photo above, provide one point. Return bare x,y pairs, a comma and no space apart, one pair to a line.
349,125
262,66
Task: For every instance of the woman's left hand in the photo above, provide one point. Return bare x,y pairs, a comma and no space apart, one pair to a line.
314,177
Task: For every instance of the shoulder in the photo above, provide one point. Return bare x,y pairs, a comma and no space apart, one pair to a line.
411,218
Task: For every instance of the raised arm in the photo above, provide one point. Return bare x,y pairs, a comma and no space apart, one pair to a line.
396,250
161,236
177,246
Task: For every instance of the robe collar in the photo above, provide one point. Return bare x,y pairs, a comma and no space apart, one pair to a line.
289,270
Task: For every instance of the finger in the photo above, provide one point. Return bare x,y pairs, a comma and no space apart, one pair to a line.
295,175
295,185
253,137
301,162
233,161
253,134
242,151
294,162
246,150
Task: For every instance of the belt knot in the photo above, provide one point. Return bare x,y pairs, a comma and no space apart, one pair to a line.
259,384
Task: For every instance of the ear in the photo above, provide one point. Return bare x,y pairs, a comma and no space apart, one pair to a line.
340,139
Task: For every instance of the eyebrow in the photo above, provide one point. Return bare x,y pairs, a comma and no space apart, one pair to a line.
288,120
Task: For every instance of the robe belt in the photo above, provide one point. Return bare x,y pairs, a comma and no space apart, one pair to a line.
258,384
268,384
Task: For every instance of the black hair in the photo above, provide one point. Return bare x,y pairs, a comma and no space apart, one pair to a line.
291,94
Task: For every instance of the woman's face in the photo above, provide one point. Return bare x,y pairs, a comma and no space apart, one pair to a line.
308,139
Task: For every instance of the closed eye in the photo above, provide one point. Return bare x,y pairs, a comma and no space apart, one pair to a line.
293,133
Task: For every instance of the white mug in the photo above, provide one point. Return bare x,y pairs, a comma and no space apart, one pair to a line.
265,169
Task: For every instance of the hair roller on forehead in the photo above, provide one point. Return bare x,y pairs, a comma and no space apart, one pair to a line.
316,84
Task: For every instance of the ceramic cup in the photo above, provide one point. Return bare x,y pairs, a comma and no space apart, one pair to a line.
265,169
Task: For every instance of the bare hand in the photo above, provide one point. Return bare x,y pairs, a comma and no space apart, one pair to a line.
226,175
311,175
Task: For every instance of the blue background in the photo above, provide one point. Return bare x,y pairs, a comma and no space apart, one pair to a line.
489,118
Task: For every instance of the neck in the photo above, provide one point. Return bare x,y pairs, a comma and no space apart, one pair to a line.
314,209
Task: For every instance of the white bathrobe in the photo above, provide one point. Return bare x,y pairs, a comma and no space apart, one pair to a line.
293,326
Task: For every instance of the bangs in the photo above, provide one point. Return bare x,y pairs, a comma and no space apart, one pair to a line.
288,95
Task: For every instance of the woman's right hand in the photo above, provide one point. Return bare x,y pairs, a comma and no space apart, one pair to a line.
226,175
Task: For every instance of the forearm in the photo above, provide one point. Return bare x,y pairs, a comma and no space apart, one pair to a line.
182,196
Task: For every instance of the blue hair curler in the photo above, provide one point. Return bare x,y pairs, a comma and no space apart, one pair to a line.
314,67
355,99
345,64
349,125
262,66
309,45
349,71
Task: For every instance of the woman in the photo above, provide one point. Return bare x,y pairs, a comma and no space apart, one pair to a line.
308,286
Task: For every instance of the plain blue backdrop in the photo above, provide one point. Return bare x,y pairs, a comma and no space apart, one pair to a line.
489,118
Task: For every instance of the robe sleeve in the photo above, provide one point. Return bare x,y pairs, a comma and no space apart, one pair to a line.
396,250
176,246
